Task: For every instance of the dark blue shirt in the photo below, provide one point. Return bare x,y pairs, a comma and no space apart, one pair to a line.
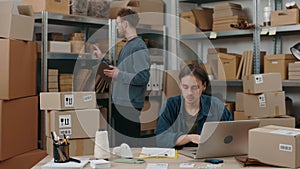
171,123
134,65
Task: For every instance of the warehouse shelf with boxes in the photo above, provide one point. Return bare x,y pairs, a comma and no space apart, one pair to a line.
258,48
67,63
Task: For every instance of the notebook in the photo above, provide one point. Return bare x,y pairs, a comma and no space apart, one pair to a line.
220,139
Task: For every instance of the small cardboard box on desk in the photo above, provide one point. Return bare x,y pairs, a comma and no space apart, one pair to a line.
275,145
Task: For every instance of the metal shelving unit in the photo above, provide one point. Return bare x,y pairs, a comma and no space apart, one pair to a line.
255,33
44,19
48,18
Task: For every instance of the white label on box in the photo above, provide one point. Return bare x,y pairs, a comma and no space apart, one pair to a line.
262,100
274,62
286,132
264,31
64,121
69,100
272,31
285,147
87,98
259,79
65,131
213,35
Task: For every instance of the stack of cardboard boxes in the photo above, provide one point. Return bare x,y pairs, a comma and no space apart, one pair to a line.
53,80
294,71
263,99
18,90
74,114
226,14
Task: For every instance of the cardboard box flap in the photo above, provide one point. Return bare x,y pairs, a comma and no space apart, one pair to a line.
25,10
280,57
119,4
7,7
282,130
227,56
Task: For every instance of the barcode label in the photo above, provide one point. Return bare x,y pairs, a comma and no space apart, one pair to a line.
259,79
65,131
262,100
87,98
69,100
285,147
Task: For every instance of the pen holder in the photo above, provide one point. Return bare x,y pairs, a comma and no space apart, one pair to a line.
61,152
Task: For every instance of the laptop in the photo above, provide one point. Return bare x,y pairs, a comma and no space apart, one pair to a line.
223,138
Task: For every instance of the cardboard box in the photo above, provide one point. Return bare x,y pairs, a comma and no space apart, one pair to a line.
285,17
55,6
268,104
285,121
18,69
170,84
53,79
77,46
239,101
52,72
204,19
19,126
259,83
16,25
216,50
187,22
228,64
24,161
149,115
278,63
78,147
150,11
59,47
294,67
240,115
275,145
73,123
67,100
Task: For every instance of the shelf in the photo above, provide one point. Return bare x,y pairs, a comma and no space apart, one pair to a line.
291,83
228,83
72,56
285,29
222,34
233,83
64,19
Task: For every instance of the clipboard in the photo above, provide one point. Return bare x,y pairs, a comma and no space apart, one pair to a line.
100,71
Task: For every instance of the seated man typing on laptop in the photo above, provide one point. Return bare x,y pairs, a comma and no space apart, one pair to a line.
183,116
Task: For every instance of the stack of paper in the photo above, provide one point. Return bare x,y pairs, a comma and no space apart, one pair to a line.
100,163
68,165
158,152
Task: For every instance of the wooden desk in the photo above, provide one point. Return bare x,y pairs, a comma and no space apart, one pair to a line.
229,162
